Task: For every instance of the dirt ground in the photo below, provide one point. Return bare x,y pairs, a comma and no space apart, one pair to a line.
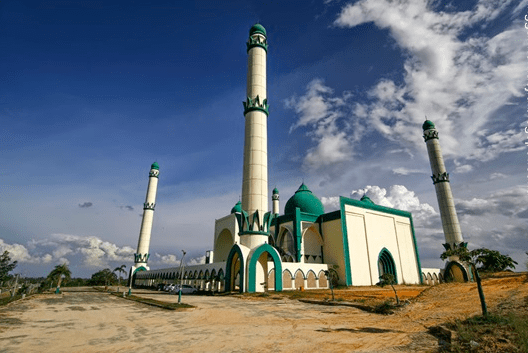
90,321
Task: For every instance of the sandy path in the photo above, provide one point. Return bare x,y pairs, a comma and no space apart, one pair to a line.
98,322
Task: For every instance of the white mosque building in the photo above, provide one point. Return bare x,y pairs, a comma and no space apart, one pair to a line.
257,250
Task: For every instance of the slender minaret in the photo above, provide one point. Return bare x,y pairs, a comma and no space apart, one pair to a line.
255,178
142,255
452,232
275,200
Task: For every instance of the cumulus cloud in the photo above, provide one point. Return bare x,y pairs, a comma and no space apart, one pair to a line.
94,252
510,202
168,259
86,205
200,260
406,171
459,80
321,112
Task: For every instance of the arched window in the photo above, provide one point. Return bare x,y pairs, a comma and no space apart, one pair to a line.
287,246
386,264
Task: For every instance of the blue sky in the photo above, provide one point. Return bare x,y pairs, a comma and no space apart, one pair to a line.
91,94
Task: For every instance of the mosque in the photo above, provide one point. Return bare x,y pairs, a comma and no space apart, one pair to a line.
256,250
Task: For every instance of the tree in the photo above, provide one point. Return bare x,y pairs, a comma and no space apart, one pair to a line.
119,270
6,266
492,260
103,278
469,257
388,279
59,273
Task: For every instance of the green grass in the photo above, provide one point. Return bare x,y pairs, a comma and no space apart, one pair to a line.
8,299
503,332
154,302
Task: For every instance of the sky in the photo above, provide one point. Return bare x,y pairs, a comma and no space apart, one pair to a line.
93,92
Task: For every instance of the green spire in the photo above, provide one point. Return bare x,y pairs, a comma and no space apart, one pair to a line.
154,166
428,125
257,29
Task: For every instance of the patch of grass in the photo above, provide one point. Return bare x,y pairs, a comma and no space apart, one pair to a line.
385,308
503,332
154,302
8,299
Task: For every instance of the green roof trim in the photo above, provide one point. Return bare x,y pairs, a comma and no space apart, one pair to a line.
374,207
348,269
367,199
253,267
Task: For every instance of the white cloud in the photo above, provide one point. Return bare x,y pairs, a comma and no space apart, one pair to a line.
458,82
321,111
200,260
168,259
406,171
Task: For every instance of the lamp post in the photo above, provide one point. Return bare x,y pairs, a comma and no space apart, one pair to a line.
182,267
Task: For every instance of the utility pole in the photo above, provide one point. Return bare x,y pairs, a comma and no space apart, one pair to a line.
182,267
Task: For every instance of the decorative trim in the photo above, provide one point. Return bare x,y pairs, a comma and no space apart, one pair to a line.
348,270
149,206
253,267
374,207
275,197
440,178
254,104
256,41
140,258
448,268
416,253
297,233
154,173
430,134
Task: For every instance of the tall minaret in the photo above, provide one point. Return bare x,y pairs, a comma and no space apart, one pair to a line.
142,255
452,232
255,178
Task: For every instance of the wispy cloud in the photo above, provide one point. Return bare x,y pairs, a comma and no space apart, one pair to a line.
458,81
86,205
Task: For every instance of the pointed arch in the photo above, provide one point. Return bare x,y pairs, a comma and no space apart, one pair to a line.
235,254
386,264
253,266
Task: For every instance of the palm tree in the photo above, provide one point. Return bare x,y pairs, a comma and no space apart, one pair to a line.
60,272
119,270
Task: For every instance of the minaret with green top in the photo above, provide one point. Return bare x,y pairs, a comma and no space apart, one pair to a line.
142,255
450,224
255,175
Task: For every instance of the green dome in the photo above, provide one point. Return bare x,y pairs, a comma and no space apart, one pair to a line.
154,166
237,208
427,125
367,199
306,201
257,28
275,191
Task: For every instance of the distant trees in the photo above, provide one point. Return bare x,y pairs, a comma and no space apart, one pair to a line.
6,266
60,273
103,278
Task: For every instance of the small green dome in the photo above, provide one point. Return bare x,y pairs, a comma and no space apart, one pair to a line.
154,166
427,125
367,199
237,208
306,201
275,191
257,29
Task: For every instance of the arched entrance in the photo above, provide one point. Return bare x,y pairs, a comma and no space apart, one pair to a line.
258,268
455,272
235,270
386,264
